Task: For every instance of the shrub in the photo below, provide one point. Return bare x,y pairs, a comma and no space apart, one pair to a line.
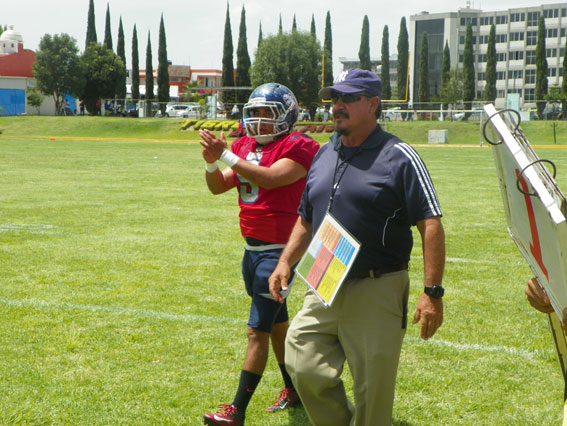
198,124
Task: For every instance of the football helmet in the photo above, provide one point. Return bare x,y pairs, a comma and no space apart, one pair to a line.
270,104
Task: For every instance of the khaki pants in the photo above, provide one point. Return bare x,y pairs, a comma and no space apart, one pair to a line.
365,326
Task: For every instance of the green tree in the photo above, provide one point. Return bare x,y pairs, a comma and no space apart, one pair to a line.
292,60
313,31
468,71
452,90
490,88
403,59
541,69
149,74
260,37
364,50
58,69
91,28
328,51
445,70
423,86
102,68
242,62
294,24
34,98
163,69
107,31
227,64
385,71
564,83
280,28
121,52
135,66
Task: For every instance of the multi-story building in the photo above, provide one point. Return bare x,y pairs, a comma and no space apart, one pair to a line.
516,39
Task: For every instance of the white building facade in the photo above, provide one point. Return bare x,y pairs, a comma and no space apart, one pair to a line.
516,39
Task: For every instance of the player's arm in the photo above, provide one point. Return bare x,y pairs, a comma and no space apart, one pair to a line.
298,242
283,172
217,181
429,309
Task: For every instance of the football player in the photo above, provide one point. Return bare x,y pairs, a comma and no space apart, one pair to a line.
268,167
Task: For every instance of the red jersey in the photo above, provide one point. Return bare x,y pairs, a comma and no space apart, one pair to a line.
270,214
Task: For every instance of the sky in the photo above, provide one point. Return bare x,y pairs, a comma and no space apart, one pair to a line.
195,28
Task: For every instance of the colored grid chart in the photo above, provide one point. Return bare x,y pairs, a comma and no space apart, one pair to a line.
328,259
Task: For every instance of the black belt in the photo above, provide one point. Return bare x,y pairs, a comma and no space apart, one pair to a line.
256,243
378,272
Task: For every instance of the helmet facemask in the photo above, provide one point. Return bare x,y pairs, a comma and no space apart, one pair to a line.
254,122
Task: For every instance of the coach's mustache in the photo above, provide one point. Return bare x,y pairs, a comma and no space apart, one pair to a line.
340,113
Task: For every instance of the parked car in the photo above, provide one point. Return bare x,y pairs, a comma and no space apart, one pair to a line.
190,110
304,115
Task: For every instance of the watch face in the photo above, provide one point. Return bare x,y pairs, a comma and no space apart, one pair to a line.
436,291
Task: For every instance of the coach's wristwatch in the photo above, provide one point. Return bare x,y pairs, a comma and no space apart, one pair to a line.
436,291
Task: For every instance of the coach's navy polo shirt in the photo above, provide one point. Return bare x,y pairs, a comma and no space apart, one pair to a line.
383,189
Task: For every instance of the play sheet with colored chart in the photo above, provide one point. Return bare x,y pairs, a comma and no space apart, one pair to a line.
325,264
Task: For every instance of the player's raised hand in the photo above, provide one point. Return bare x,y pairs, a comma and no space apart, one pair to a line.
213,144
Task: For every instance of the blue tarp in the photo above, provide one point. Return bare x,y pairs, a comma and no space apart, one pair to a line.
12,102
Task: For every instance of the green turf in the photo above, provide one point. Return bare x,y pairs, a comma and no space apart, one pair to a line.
121,299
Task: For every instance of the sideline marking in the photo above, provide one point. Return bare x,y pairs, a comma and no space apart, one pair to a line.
146,313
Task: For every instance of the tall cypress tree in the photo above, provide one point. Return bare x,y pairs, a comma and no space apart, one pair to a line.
121,52
280,28
541,68
294,25
149,78
328,50
490,88
135,77
260,37
445,71
564,84
468,71
403,52
107,30
163,69
242,61
364,50
227,64
385,72
423,86
313,31
91,28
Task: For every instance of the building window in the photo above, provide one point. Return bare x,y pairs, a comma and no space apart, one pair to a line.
481,76
529,95
551,33
502,19
483,39
512,74
482,57
551,72
512,91
461,59
517,17
462,40
501,38
516,36
551,13
487,20
501,57
501,93
531,38
500,75
562,32
551,53
530,57
533,17
563,13
516,55
562,52
530,77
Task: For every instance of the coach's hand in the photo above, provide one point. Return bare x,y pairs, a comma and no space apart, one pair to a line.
430,313
279,281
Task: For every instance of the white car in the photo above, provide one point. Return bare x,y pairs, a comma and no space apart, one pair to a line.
191,110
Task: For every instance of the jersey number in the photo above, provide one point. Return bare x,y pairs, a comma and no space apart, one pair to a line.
248,191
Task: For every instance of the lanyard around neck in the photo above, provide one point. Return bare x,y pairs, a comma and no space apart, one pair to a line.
338,163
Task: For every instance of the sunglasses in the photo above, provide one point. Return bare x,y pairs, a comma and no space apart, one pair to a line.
347,98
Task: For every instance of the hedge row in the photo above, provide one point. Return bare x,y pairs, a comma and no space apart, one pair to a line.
233,125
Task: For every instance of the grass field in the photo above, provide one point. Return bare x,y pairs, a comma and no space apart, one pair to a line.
121,299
